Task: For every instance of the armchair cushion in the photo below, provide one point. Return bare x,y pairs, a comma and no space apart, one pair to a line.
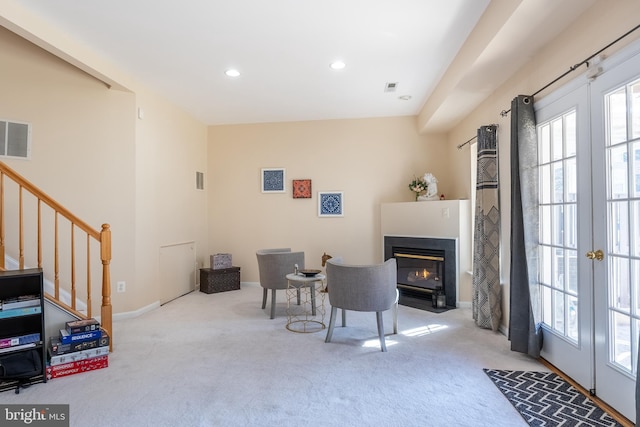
273,266
362,287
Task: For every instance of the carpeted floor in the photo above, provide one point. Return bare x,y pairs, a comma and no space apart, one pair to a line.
545,399
218,360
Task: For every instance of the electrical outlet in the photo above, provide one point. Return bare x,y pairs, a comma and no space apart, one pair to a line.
122,286
445,213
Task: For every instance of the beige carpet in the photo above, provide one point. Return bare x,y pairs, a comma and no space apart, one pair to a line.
218,360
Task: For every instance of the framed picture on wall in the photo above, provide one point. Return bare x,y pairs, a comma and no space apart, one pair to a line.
301,188
273,180
330,204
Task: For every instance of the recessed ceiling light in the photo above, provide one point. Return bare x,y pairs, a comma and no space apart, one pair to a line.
232,73
405,97
338,65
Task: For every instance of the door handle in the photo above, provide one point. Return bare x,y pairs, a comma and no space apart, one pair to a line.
599,255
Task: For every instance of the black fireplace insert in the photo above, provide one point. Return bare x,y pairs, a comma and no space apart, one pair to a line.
426,267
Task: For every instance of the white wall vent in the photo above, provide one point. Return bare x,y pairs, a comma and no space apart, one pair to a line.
391,86
15,139
199,181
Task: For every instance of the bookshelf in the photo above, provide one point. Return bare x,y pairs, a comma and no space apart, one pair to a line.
22,336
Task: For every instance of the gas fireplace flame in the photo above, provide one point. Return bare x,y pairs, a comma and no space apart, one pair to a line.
417,275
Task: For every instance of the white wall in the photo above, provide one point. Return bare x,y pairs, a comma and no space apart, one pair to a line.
91,153
371,160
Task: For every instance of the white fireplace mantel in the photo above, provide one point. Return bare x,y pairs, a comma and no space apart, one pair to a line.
450,219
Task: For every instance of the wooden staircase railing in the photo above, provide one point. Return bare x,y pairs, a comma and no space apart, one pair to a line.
102,237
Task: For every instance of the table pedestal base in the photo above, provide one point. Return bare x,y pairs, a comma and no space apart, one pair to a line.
301,316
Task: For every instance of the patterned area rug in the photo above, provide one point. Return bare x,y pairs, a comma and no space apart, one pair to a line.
545,399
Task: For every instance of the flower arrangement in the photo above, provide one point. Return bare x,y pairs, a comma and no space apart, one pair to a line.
418,186
426,183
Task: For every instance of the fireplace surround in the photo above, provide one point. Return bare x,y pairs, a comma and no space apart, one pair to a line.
425,266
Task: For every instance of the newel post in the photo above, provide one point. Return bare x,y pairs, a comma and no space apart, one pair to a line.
105,255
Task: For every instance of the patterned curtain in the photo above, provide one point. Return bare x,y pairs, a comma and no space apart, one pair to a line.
525,333
486,304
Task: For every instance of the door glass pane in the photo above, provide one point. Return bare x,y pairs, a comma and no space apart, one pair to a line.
558,313
634,89
635,168
635,283
545,184
572,269
635,228
546,305
618,178
558,182
571,182
634,339
545,261
557,139
572,321
618,228
544,144
617,116
570,134
557,223
621,337
558,268
545,232
620,286
571,221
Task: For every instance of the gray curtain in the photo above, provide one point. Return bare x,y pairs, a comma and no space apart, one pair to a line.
525,332
487,297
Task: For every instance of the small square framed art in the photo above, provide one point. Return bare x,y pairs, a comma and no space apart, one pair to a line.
330,204
301,188
273,180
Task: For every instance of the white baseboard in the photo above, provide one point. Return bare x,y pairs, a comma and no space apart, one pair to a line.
131,314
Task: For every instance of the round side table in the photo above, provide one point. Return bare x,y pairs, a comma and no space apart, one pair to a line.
305,312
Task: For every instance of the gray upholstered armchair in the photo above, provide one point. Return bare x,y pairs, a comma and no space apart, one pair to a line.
273,266
363,288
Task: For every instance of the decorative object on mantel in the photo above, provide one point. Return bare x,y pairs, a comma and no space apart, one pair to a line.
418,186
426,187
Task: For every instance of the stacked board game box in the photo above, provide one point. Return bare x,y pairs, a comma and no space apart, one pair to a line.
81,346
77,367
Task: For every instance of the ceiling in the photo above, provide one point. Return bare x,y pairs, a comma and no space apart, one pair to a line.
283,49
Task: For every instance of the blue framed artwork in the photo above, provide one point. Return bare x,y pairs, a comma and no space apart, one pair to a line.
330,204
273,180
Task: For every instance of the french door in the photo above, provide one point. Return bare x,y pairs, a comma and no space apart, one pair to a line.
589,251
565,199
616,142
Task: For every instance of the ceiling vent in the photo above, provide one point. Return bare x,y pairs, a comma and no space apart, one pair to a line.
390,87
